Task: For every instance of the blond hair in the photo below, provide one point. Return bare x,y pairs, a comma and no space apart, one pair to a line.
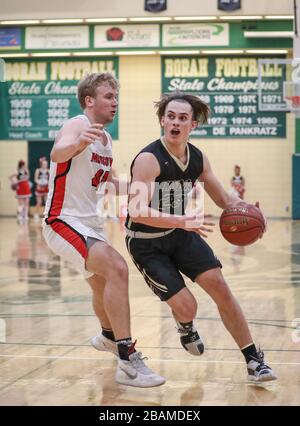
88,85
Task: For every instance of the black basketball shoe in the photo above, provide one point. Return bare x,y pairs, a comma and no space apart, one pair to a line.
258,371
191,340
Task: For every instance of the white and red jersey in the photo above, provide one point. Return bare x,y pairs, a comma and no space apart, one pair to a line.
76,185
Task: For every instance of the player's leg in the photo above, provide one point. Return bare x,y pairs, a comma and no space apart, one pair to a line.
98,258
197,260
97,284
213,283
192,255
183,305
103,260
163,278
184,309
104,341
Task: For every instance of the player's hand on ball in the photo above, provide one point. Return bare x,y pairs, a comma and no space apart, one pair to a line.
265,219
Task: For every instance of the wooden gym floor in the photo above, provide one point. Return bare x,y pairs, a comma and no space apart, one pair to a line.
46,321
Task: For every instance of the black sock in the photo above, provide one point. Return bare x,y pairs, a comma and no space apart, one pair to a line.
249,352
125,348
188,326
108,333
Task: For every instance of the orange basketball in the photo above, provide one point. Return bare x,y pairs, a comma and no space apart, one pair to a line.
242,225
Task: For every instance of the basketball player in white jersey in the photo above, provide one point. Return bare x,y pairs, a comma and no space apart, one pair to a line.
81,161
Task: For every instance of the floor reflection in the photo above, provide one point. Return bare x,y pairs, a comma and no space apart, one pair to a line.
36,265
45,306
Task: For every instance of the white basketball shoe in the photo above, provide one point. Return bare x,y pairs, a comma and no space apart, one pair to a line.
135,373
102,343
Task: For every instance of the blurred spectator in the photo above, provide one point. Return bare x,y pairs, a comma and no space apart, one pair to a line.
41,179
238,183
21,184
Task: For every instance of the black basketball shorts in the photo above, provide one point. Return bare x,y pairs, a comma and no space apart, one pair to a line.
160,260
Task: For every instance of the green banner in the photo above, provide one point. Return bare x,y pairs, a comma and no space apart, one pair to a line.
40,95
229,86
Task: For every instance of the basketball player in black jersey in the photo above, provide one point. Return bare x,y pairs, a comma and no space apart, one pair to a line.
164,242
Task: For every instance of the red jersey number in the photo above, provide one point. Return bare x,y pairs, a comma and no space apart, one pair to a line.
100,177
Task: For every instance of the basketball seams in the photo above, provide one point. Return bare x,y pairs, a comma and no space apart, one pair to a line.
249,225
239,232
246,243
242,226
239,215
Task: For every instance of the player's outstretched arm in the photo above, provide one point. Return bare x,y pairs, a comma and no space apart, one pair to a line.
73,138
217,193
215,189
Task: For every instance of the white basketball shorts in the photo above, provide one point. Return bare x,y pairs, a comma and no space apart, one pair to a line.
67,238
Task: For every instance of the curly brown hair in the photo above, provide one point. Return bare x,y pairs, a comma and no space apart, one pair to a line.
200,109
88,85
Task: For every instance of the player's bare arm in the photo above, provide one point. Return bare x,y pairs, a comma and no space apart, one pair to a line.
216,191
73,138
214,188
145,170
